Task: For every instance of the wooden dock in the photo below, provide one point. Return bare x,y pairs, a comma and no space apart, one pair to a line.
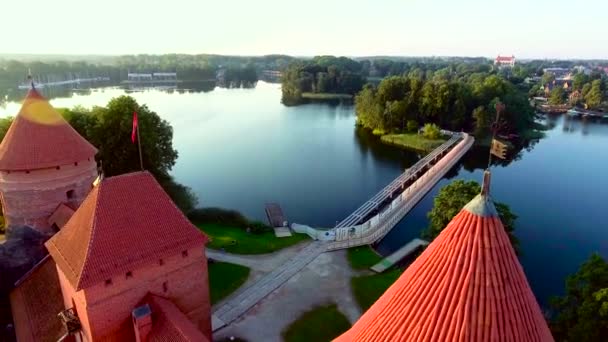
398,255
275,215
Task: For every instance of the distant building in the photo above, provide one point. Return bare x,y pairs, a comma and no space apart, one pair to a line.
467,285
558,72
566,84
504,61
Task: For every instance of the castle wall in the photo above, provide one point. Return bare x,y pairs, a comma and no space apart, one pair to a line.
183,280
30,197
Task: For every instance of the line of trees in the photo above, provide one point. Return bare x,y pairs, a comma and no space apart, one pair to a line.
322,74
451,98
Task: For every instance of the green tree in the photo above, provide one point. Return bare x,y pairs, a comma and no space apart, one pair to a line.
557,96
579,80
431,131
548,77
482,121
412,126
5,123
452,198
586,89
582,313
109,129
594,97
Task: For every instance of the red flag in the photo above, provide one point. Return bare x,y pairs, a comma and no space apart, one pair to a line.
134,132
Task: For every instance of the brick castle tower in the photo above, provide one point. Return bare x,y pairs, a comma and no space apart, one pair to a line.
46,167
130,264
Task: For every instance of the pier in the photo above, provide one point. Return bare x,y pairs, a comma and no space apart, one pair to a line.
399,255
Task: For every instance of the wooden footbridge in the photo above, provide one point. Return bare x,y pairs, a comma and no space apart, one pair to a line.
366,225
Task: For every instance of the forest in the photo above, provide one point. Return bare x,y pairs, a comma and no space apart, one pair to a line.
456,97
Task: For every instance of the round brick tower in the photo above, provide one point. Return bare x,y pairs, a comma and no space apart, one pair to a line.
45,166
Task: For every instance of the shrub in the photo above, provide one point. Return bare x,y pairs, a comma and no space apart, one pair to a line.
412,126
219,216
258,227
431,131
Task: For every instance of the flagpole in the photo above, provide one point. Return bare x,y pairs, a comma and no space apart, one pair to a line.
141,161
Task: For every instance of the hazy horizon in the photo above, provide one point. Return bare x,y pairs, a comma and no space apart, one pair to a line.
542,29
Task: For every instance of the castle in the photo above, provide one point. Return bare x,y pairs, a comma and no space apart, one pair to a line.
124,263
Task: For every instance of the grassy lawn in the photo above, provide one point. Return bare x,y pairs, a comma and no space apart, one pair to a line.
413,141
367,289
238,241
362,257
225,278
326,96
321,324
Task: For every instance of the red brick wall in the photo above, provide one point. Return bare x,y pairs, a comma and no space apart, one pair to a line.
108,308
30,198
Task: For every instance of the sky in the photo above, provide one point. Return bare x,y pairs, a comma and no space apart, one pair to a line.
524,28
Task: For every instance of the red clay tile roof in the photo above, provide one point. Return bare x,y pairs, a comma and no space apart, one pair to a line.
61,215
169,324
468,285
40,138
125,222
35,303
505,58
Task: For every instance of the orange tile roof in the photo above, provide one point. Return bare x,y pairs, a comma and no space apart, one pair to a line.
468,285
125,222
61,215
39,137
169,324
35,302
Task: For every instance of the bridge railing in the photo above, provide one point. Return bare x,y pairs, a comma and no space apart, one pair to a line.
388,190
386,220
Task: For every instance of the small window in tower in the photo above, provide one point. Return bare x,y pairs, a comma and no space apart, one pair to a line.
75,163
165,287
108,282
129,274
184,254
58,167
70,194
161,262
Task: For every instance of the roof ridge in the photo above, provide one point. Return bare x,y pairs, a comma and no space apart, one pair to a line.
91,236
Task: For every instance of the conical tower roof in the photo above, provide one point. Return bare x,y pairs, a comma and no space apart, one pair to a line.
468,285
41,138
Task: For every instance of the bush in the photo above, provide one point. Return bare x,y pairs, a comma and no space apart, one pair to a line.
258,227
412,126
431,131
219,216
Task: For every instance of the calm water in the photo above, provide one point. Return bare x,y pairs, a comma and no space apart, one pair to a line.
241,148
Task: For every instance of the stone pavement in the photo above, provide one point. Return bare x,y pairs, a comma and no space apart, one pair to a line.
237,305
324,280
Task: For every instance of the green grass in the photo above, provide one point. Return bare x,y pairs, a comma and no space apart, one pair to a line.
225,278
326,96
321,324
362,257
367,289
238,241
412,141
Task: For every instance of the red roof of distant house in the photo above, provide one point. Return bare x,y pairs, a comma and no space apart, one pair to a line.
125,222
505,58
170,324
41,138
468,285
35,303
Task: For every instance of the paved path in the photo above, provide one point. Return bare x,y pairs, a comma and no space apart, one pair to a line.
259,262
325,280
243,301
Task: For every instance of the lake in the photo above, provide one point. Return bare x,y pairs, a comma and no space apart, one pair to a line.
241,148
